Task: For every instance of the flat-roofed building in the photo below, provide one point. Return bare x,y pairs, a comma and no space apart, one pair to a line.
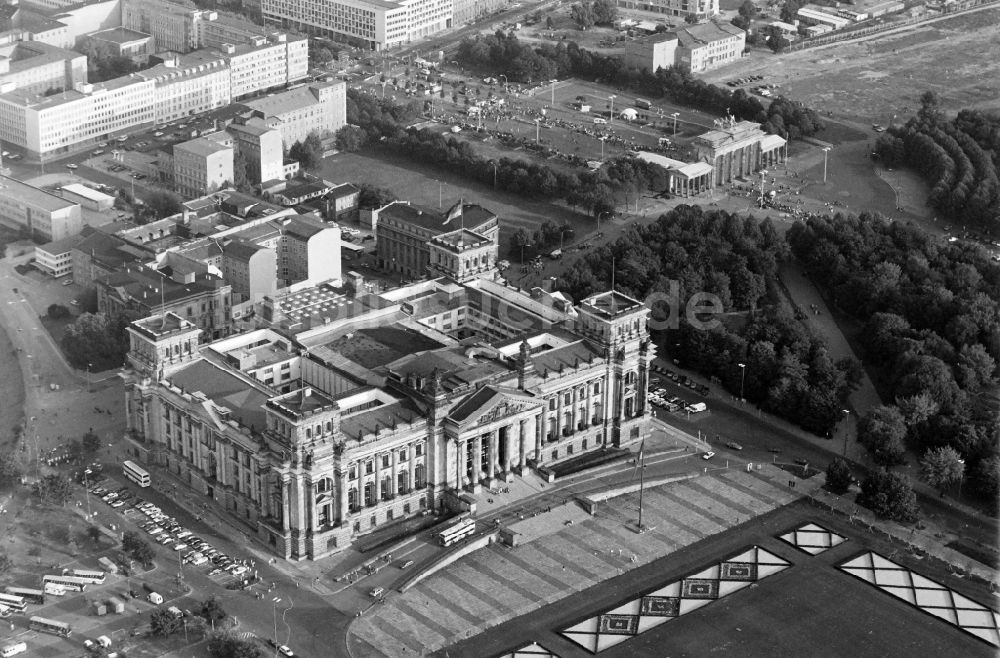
319,107
404,230
202,166
701,9
709,45
35,67
261,148
88,197
376,24
56,258
265,63
469,11
814,15
46,126
171,23
37,213
99,253
123,42
188,84
652,53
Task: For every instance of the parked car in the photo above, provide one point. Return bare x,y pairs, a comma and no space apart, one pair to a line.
708,455
734,445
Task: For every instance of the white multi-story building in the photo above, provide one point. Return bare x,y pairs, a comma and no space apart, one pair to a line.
46,126
38,213
173,25
36,67
378,24
319,107
265,63
709,45
702,9
189,84
202,166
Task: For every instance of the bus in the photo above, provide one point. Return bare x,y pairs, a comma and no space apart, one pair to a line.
92,577
643,104
457,532
44,625
35,596
135,473
69,583
14,602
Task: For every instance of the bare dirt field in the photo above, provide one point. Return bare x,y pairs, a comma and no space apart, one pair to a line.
873,79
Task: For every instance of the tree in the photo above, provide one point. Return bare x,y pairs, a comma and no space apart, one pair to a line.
162,203
308,153
6,564
53,489
228,645
163,623
941,467
94,533
790,11
519,239
91,442
241,173
985,478
890,496
548,23
57,312
882,432
691,19
582,14
10,470
371,196
137,548
838,477
212,610
352,138
605,12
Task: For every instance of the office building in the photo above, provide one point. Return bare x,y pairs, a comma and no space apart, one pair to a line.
188,84
122,42
652,53
261,149
37,213
171,23
469,11
56,258
35,67
374,24
700,9
319,107
349,411
403,232
202,166
263,64
98,254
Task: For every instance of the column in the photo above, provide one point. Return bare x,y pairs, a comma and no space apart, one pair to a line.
459,463
378,478
559,414
311,515
491,461
394,483
477,459
286,507
590,406
342,498
574,421
413,465
522,456
543,425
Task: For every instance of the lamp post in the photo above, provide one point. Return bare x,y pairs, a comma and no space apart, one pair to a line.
494,174
274,614
675,115
89,383
826,150
612,97
552,102
743,375
601,139
763,172
599,215
536,130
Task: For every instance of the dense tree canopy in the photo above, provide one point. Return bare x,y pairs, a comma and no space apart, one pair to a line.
890,496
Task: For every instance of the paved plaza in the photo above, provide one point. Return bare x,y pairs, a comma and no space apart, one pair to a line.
498,583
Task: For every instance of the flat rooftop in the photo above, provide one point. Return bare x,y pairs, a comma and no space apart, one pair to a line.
120,35
302,402
609,304
33,196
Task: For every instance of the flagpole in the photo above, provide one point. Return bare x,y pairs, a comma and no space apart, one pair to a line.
642,477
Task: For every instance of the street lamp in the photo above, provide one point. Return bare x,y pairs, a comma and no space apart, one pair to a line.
743,374
675,115
763,172
612,98
826,149
274,614
552,103
89,382
536,130
86,491
847,430
601,214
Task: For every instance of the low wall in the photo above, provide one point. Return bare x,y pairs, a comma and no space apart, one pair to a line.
456,554
632,488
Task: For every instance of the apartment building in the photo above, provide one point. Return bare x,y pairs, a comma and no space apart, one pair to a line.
319,107
376,24
46,126
188,84
123,42
709,45
701,9
37,213
265,63
35,67
214,30
171,23
202,166
261,148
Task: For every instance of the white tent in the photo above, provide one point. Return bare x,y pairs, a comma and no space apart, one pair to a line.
629,114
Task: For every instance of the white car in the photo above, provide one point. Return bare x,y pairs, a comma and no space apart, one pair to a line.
72,166
708,455
198,559
180,546
285,651
157,134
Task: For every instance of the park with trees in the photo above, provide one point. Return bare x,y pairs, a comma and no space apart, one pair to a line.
929,317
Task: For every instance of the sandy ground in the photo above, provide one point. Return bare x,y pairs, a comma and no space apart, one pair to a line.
875,78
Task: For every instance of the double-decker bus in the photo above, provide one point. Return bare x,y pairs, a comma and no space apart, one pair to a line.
457,532
92,577
136,473
35,596
69,583
14,602
44,625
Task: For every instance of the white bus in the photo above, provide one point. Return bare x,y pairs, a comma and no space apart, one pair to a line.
35,596
50,626
14,602
135,473
457,532
91,577
68,583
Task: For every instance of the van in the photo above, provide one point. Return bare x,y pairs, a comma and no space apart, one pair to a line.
175,611
104,641
154,598
14,649
696,407
600,121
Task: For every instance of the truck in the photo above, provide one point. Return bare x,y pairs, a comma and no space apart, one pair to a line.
116,605
643,104
108,565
